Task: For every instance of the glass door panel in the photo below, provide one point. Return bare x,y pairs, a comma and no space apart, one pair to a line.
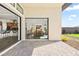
9,28
36,28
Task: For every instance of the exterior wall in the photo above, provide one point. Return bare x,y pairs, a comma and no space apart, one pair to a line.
52,11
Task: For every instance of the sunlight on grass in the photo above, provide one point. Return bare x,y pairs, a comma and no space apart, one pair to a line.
74,35
65,38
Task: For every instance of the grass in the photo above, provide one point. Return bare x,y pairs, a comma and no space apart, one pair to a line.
73,35
65,37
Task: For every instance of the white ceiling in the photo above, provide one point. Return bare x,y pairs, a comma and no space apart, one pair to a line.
5,14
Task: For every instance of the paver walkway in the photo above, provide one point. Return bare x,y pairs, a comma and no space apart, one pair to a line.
42,48
74,42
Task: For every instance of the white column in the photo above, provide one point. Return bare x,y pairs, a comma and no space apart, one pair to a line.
23,29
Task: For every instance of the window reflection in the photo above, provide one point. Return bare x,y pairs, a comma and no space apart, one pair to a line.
37,28
9,28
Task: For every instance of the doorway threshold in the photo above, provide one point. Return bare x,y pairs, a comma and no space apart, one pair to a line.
36,39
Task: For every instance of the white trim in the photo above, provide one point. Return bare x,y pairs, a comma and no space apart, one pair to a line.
19,28
9,48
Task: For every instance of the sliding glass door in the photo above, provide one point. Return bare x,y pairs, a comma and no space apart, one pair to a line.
9,28
36,28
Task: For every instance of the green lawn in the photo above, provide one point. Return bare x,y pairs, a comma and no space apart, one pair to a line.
73,35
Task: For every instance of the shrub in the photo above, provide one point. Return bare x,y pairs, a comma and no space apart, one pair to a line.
64,38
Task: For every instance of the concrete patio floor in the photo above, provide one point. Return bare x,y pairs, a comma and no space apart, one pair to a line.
42,48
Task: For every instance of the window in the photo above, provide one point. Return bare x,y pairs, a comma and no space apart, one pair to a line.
13,4
36,28
19,8
9,28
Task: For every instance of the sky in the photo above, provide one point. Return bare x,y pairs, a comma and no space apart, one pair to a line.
70,16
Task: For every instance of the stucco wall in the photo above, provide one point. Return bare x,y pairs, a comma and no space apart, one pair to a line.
52,11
